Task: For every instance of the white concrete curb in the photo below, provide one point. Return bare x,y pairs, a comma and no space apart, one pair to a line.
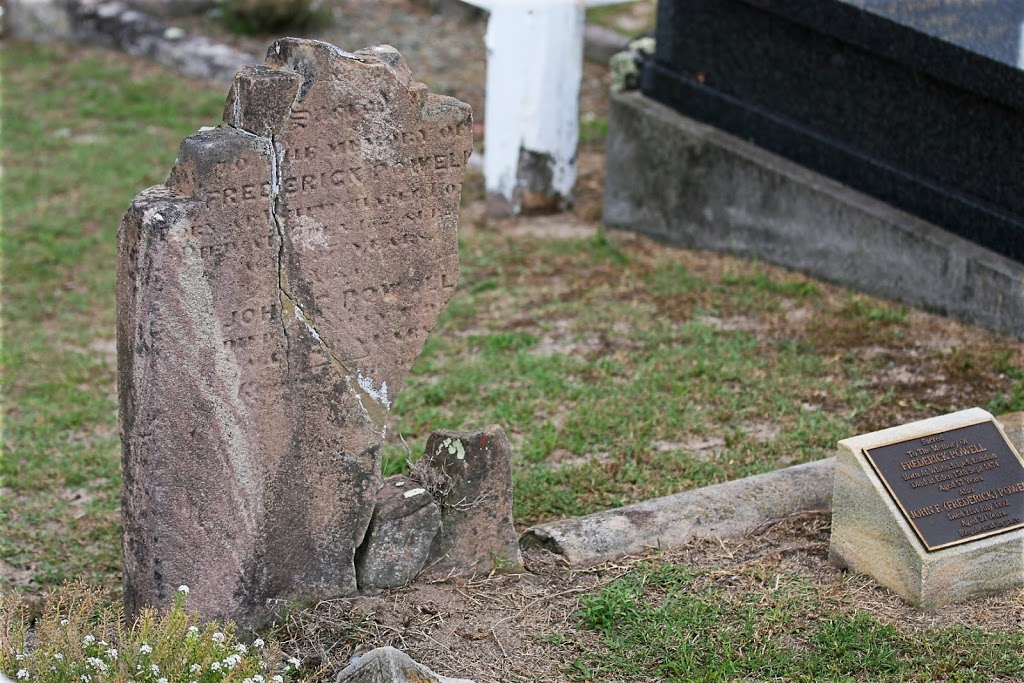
731,509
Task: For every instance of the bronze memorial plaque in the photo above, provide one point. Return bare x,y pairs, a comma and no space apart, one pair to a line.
955,486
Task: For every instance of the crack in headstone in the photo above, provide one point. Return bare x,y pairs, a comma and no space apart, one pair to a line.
267,324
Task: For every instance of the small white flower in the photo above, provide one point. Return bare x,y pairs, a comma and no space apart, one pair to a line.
89,640
154,668
258,643
277,679
146,649
295,661
215,666
247,680
112,653
231,661
22,674
193,631
86,678
96,663
58,656
20,656
103,643
161,680
258,678
217,637
63,622
241,647
195,668
183,589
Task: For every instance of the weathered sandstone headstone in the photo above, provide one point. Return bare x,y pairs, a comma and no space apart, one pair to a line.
470,475
404,524
271,298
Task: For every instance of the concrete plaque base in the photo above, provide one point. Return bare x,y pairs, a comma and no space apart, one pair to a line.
872,535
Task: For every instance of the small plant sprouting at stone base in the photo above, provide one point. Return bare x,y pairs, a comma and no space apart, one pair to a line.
80,637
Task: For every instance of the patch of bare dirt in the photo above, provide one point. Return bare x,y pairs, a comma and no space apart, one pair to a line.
15,577
523,627
555,226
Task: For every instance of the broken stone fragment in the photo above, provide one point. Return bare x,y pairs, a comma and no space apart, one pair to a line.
404,524
388,665
470,475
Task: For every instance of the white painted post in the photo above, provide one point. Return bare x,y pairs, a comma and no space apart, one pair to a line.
531,134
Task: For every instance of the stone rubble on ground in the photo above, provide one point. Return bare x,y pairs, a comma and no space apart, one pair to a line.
388,665
117,25
173,8
121,26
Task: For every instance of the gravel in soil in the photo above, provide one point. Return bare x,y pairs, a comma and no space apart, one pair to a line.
525,627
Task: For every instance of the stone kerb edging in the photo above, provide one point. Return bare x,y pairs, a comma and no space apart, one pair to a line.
734,508
731,509
118,26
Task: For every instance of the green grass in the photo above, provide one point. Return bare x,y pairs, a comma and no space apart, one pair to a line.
82,135
669,376
620,371
608,364
267,17
593,130
666,622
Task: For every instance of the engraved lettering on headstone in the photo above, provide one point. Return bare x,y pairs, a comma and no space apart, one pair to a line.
955,486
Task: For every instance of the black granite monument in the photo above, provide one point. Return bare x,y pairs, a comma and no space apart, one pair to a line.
919,103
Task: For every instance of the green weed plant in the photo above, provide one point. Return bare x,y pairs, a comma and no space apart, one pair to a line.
82,637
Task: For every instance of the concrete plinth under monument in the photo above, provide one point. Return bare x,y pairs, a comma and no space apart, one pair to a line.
872,535
698,187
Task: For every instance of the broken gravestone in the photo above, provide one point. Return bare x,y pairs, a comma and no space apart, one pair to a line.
272,295
469,474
